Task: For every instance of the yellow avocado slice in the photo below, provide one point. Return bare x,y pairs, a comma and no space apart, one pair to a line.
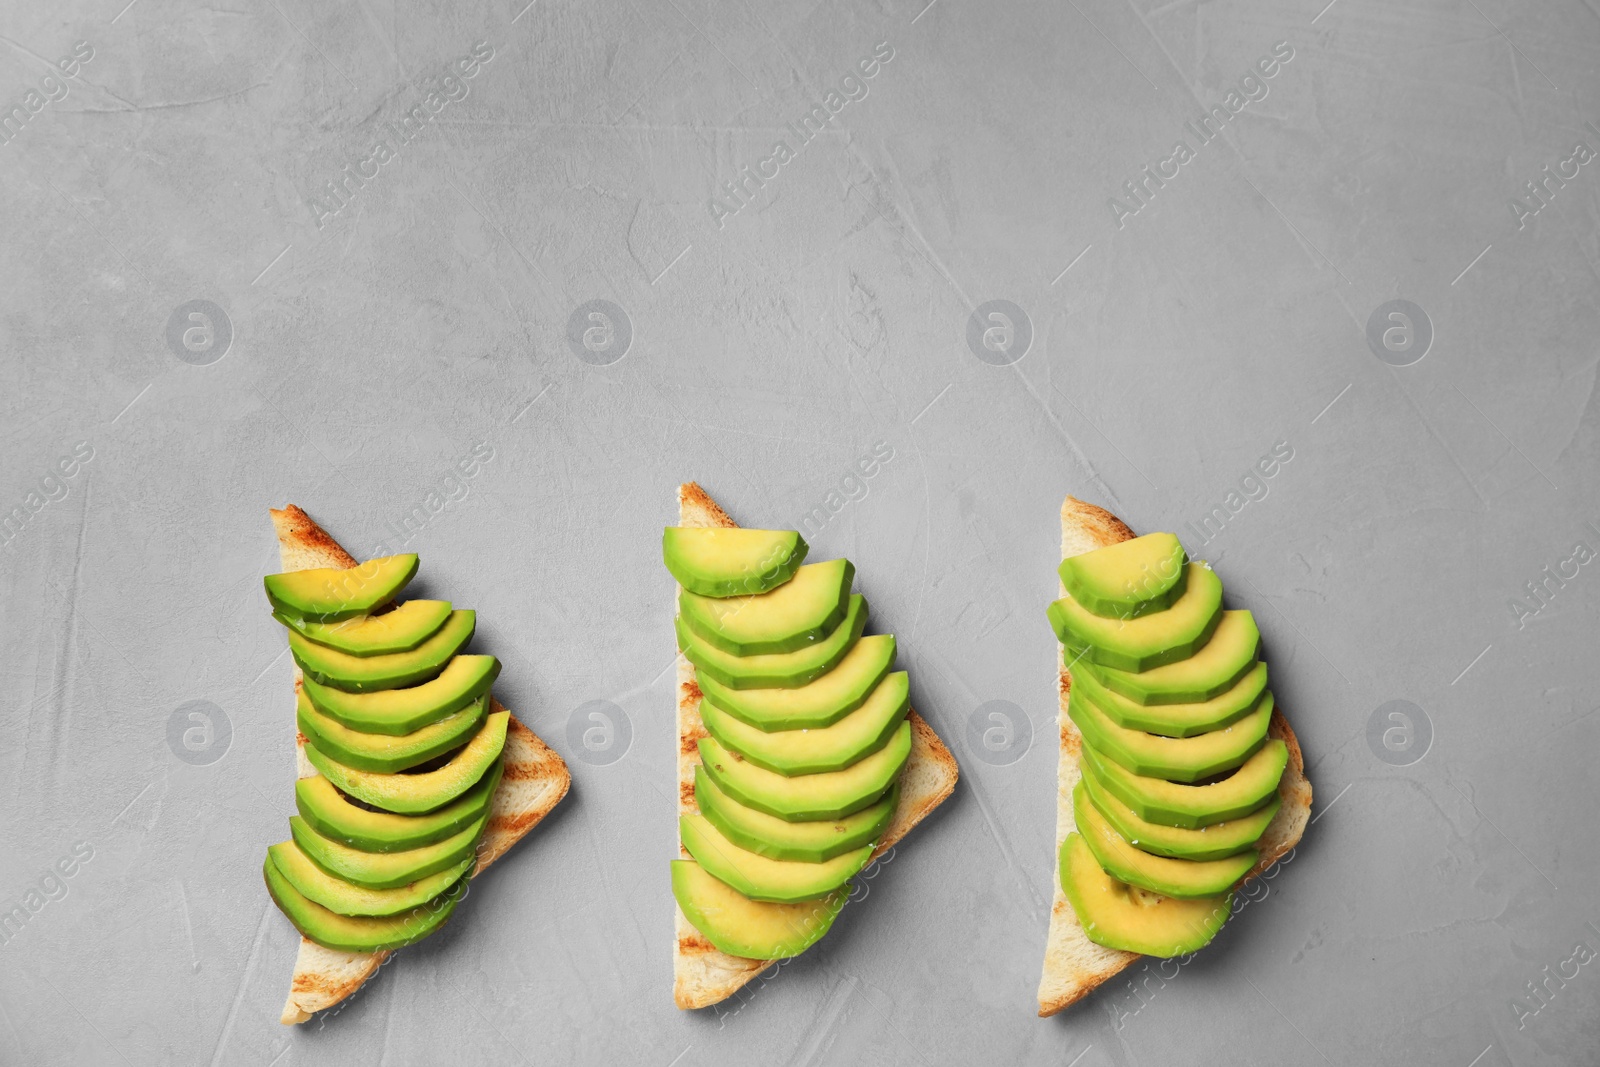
826,748
761,877
733,561
1129,578
768,835
347,898
366,674
781,670
807,797
1183,879
385,753
1117,915
424,790
1177,759
349,933
385,870
1212,842
328,594
754,929
400,630
335,817
1193,806
820,702
402,711
1212,670
1175,720
1149,640
800,612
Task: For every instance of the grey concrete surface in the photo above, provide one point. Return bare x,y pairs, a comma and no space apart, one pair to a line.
761,330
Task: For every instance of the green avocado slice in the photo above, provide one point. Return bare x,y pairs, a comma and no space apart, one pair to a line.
806,797
753,929
397,712
1127,579
733,561
386,870
328,594
400,630
386,753
1213,842
828,748
800,612
347,898
1175,720
1117,915
1177,759
821,702
761,877
1182,879
409,793
1194,806
1216,667
784,670
768,835
366,674
334,816
1149,640
347,933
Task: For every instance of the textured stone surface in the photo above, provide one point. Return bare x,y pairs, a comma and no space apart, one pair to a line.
772,342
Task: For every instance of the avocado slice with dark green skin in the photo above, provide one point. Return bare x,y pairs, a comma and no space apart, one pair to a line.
1194,806
785,670
386,753
367,674
335,817
761,877
1116,915
400,630
1213,669
347,898
828,748
753,929
1213,842
347,933
419,791
1127,579
1175,720
821,702
800,612
1150,640
328,594
397,712
768,835
808,797
1181,879
386,870
731,561
1177,759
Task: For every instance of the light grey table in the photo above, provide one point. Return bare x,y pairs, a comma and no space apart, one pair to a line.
223,295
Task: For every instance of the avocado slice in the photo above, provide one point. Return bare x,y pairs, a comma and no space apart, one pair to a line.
1175,720
1216,667
828,748
385,870
335,816
398,712
1117,915
419,791
383,752
1151,639
1193,806
328,594
347,898
400,630
1212,842
1127,579
805,797
1182,879
347,933
366,674
782,670
761,877
733,561
1177,759
753,929
800,612
768,835
821,702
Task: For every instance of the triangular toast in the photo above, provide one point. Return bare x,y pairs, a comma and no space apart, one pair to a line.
1073,965
534,781
701,974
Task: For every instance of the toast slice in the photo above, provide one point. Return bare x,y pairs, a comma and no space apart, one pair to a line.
534,781
1073,965
701,974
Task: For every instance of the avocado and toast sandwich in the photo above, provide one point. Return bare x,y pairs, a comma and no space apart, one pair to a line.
1179,777
411,777
799,758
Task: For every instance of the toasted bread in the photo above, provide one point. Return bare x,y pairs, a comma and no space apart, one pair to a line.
702,975
534,781
1073,965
